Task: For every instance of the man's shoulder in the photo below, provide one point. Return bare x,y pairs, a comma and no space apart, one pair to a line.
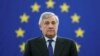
35,39
66,40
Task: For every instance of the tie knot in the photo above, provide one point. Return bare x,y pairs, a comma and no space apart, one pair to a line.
50,40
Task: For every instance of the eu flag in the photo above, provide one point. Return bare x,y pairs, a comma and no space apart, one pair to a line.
79,20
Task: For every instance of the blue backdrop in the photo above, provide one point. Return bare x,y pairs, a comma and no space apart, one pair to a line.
79,20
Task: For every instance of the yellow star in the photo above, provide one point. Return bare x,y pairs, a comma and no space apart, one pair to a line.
78,47
50,4
24,18
20,32
64,7
79,32
75,18
22,47
35,7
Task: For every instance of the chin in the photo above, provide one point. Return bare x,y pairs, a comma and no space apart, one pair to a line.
50,36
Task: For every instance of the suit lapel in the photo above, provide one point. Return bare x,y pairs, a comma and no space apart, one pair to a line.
42,47
58,47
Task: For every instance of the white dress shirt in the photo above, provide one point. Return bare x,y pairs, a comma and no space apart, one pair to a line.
53,43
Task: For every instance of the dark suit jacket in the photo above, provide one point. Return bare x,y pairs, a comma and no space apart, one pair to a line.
38,47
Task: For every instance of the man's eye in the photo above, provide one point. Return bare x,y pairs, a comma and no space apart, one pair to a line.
53,22
46,23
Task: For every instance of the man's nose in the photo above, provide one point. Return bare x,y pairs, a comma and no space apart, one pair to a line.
50,25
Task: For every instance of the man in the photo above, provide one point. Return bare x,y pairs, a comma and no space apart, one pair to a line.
50,44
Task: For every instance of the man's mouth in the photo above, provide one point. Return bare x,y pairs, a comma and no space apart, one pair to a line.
50,30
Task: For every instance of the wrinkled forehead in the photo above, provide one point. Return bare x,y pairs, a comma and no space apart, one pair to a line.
49,18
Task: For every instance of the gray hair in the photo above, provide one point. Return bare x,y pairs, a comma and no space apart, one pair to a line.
46,15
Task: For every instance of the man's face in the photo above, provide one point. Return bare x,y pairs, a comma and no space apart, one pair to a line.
49,26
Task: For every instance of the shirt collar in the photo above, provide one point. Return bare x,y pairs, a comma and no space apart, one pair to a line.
54,38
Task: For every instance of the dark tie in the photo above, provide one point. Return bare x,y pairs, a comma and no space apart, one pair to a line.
50,49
